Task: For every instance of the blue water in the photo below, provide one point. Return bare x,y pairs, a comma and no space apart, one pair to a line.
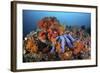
31,17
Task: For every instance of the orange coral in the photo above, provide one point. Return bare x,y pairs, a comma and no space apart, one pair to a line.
31,46
78,46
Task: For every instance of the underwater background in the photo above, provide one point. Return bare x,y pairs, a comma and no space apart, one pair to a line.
31,18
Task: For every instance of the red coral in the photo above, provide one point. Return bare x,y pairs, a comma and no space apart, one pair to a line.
48,22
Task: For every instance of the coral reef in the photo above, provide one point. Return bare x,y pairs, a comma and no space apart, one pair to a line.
55,42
